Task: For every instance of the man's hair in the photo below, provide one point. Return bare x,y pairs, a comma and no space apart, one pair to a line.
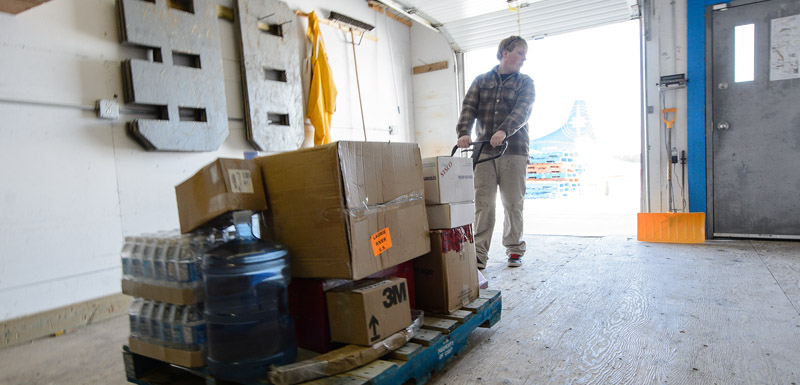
509,44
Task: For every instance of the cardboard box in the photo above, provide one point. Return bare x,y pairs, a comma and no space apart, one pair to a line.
309,307
222,186
187,358
450,215
368,312
17,6
447,278
448,179
174,295
347,209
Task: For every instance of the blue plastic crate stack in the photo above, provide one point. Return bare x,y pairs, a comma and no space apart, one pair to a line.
553,174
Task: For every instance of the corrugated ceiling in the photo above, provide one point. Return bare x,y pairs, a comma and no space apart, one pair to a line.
472,24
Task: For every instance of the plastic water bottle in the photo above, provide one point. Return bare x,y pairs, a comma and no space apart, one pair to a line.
168,326
194,328
164,325
144,320
185,263
176,315
174,260
125,256
155,322
208,238
137,271
148,273
245,282
160,261
133,315
173,255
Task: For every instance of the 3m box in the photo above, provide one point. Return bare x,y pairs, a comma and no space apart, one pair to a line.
347,209
222,186
450,215
448,179
447,278
308,305
368,312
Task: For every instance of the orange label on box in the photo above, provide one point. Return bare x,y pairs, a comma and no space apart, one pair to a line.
381,241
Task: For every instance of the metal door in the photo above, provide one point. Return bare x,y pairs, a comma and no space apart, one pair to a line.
754,126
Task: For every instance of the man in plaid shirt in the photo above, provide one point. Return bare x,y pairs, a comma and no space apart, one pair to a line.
501,101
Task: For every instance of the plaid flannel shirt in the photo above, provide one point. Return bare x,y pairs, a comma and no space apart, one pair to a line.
499,105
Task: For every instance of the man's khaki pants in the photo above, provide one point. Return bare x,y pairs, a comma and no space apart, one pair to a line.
508,173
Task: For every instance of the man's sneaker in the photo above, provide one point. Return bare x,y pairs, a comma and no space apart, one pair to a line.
514,260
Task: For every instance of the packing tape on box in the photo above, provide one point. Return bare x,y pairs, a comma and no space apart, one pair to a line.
360,213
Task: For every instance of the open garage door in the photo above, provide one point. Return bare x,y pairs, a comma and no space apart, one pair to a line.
472,24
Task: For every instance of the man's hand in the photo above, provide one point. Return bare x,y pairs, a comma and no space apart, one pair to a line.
463,141
498,138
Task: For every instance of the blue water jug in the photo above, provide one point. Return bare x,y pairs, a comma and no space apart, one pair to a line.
247,305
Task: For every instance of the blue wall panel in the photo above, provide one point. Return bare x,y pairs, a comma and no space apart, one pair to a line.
696,101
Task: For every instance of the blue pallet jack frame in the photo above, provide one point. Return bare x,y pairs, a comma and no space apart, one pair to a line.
432,349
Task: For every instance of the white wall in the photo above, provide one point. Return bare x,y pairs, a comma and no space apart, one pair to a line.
435,98
384,75
74,185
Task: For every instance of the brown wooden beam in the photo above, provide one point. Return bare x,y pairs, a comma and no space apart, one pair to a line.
430,67
389,13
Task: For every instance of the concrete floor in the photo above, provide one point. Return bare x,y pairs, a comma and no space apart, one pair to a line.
89,355
583,310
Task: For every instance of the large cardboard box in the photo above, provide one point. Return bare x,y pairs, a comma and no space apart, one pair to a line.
447,278
222,186
450,215
448,179
347,209
369,311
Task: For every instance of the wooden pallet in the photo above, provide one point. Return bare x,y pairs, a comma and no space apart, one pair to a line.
426,354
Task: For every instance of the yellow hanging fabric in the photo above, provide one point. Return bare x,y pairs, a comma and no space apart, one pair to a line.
516,9
322,93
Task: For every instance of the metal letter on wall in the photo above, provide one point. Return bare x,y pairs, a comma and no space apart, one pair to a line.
182,80
271,82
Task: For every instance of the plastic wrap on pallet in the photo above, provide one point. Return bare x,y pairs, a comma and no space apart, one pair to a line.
344,359
483,283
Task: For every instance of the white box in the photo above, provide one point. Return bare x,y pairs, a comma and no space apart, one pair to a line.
450,215
448,179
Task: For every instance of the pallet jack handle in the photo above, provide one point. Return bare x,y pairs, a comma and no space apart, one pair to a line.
477,149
